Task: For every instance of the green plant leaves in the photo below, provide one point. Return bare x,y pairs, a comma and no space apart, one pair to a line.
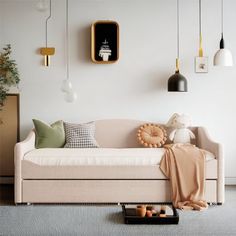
9,75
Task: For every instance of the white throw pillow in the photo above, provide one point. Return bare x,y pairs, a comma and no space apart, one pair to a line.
80,135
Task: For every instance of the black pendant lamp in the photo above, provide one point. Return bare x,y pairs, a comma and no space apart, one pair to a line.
177,82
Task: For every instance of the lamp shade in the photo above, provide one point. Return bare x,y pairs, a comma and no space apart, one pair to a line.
177,83
66,86
223,57
70,96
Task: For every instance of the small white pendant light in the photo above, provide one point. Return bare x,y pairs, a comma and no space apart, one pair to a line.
70,94
66,86
223,56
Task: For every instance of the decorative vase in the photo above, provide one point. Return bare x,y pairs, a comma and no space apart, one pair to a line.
141,210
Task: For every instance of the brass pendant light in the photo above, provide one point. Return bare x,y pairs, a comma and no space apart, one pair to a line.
47,52
200,51
177,82
201,62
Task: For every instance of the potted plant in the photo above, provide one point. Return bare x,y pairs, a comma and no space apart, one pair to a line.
9,75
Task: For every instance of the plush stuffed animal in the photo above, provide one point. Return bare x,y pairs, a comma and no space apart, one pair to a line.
180,134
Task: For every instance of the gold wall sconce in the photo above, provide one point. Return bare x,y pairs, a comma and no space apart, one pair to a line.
47,51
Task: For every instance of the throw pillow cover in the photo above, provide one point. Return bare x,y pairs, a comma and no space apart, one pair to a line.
49,136
80,135
151,135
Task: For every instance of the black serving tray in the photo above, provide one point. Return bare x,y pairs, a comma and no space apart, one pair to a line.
130,217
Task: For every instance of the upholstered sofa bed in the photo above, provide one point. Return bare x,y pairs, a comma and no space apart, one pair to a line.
120,171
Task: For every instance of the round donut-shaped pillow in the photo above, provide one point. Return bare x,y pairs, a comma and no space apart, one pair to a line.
151,135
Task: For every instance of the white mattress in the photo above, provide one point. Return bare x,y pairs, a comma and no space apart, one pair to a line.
98,156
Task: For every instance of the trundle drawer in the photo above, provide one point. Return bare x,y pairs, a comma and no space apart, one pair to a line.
102,191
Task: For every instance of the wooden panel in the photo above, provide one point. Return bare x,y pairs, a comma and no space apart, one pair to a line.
102,191
9,134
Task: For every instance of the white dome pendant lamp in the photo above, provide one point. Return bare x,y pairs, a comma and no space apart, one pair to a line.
223,56
177,82
70,94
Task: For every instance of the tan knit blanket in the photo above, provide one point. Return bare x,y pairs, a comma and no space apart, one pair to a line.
184,165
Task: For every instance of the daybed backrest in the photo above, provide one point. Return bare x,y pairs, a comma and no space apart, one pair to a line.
119,133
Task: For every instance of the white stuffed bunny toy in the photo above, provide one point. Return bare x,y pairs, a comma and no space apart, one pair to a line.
181,134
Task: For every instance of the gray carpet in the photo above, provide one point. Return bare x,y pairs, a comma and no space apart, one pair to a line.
107,220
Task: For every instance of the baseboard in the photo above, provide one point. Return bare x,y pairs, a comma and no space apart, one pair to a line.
6,180
230,180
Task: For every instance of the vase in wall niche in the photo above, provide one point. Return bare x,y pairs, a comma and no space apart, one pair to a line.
105,51
105,42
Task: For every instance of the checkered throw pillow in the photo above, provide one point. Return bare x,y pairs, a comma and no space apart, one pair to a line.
80,135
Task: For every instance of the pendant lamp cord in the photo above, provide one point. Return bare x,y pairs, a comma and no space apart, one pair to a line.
200,18
67,41
222,17
50,14
200,52
177,59
177,28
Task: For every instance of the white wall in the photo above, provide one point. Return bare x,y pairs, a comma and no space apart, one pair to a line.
134,87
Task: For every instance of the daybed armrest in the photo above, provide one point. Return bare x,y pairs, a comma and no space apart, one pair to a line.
20,150
205,142
25,146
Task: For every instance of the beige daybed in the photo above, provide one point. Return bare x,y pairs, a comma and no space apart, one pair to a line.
119,172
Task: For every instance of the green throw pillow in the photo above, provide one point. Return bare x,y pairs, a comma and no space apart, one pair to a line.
49,136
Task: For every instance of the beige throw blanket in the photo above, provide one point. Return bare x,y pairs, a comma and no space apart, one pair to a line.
184,165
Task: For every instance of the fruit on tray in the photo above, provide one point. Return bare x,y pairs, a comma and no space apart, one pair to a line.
163,211
149,213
